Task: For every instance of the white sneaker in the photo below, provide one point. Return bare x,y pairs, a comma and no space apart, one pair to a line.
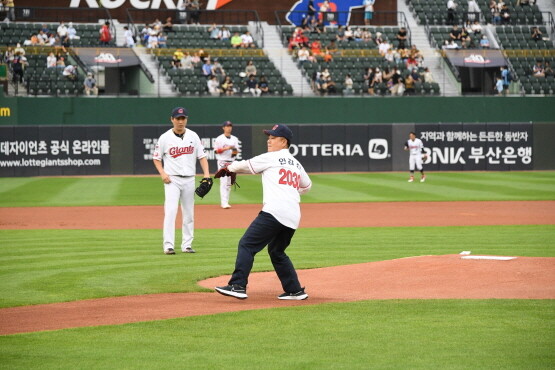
226,206
411,179
423,178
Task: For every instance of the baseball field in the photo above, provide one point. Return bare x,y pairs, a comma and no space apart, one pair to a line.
84,282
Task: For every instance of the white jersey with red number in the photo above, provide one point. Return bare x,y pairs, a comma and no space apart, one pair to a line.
283,180
415,146
223,141
179,154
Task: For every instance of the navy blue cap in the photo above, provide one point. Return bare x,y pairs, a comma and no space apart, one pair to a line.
227,123
179,112
280,131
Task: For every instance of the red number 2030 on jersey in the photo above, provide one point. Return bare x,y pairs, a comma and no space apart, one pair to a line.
289,177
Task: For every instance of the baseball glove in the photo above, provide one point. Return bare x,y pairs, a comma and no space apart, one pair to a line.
225,172
234,152
204,187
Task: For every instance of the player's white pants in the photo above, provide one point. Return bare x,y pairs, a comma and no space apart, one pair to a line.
225,185
415,160
180,189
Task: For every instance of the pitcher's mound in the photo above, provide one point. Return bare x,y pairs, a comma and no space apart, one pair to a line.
417,277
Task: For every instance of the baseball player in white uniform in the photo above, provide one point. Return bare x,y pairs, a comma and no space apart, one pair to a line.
283,180
227,148
415,147
179,148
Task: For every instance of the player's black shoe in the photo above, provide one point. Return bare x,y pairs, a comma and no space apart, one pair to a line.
235,291
169,251
189,250
298,296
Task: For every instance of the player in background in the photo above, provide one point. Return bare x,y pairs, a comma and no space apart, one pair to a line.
415,148
179,148
283,181
226,148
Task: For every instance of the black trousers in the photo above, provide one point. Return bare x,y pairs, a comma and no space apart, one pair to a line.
266,230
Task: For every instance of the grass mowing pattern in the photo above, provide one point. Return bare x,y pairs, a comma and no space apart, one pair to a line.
361,187
408,334
44,266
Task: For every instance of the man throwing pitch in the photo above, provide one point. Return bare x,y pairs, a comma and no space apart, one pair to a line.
226,147
415,147
283,180
180,148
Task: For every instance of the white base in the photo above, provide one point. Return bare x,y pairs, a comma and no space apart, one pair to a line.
497,258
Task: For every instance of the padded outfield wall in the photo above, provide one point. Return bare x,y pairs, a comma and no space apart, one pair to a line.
94,136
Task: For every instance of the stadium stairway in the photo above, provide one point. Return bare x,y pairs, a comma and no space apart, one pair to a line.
120,32
160,86
282,60
546,6
432,59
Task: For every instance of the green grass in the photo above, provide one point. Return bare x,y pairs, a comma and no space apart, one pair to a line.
43,266
411,334
361,187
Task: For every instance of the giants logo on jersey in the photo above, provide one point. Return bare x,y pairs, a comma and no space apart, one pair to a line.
177,151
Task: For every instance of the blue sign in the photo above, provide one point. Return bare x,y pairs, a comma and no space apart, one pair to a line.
338,12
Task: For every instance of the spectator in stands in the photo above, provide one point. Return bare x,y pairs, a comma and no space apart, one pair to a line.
214,31
227,86
397,85
476,28
193,8
162,40
250,69
218,71
536,34
303,54
10,11
156,23
455,34
90,85
129,38
340,35
499,86
368,11
224,33
505,76
366,35
182,11
8,55
411,62
18,64
328,57
152,40
450,45
298,39
332,47
207,68
167,27
495,13
62,30
379,39
409,85
195,59
213,86
33,41
417,55
548,71
247,41
263,85
252,86
51,60
473,11
43,36
105,34
187,61
466,40
538,70
389,56
383,47
387,74
72,32
314,26
348,85
348,35
524,2
19,49
357,34
451,9
310,13
52,40
236,40
484,42
60,62
402,37
329,87
368,78
415,75
66,42
203,55
70,72
176,61
427,76
145,34
505,14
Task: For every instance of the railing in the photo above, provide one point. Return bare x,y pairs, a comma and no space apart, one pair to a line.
352,18
58,14
201,17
